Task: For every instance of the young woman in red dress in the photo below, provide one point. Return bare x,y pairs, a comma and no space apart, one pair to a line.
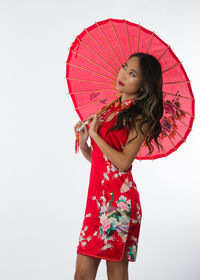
113,213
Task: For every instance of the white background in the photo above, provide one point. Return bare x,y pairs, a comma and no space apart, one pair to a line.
43,183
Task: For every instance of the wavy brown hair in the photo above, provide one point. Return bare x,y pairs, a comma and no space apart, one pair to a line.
148,103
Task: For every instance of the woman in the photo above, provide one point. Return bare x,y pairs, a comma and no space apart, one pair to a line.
113,212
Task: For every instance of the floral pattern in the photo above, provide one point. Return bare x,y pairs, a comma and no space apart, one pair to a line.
113,211
172,113
116,218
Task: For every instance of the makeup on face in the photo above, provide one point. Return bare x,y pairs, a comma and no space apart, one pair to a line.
120,83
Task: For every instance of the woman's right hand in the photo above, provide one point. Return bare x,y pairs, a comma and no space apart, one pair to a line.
83,133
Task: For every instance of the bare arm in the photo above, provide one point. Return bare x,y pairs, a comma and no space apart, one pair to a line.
131,149
116,157
86,151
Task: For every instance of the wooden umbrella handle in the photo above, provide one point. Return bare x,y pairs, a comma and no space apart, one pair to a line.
89,119
103,109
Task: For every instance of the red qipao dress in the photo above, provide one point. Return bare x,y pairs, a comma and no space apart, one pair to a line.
113,211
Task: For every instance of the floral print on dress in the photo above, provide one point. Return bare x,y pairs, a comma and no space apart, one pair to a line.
112,172
112,217
116,218
107,238
82,238
138,213
127,185
132,250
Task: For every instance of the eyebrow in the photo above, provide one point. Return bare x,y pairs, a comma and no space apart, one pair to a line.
132,69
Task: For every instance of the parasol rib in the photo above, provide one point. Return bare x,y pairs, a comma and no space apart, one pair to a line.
150,42
92,62
109,43
177,82
88,81
96,54
128,36
163,148
171,142
118,40
77,92
185,124
101,48
164,52
89,70
75,108
181,136
172,67
178,95
138,37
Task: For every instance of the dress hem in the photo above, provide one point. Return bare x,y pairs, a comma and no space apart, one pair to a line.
103,258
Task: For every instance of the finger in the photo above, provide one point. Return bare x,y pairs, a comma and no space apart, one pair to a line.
94,116
78,124
75,127
86,127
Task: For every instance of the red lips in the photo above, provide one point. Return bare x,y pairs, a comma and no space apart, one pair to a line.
120,83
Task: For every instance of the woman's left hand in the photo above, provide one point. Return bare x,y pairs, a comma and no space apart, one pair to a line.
94,126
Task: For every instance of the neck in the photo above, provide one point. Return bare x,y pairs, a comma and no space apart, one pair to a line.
124,98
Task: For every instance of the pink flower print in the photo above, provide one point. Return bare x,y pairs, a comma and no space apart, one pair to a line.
166,125
105,222
169,108
123,205
106,225
128,201
125,186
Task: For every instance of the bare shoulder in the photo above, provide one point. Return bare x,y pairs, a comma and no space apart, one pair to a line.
144,127
132,148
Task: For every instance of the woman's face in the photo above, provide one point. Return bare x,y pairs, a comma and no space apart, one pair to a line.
130,76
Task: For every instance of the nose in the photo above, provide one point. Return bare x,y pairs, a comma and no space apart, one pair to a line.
124,75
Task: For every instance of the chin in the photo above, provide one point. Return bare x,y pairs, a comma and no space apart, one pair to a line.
118,88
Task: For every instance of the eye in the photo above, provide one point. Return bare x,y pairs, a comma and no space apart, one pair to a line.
123,65
133,74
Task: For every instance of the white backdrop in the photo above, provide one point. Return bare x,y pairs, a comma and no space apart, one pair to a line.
43,183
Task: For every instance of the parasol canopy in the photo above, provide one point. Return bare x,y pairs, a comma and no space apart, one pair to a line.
94,60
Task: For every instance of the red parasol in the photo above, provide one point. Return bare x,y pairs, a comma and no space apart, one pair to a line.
92,67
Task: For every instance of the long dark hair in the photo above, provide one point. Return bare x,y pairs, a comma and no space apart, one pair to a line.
148,103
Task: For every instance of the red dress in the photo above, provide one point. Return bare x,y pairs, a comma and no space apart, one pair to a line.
113,212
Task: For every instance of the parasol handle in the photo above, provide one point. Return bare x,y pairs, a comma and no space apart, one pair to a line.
82,125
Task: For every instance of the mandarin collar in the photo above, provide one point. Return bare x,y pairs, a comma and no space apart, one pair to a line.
125,103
